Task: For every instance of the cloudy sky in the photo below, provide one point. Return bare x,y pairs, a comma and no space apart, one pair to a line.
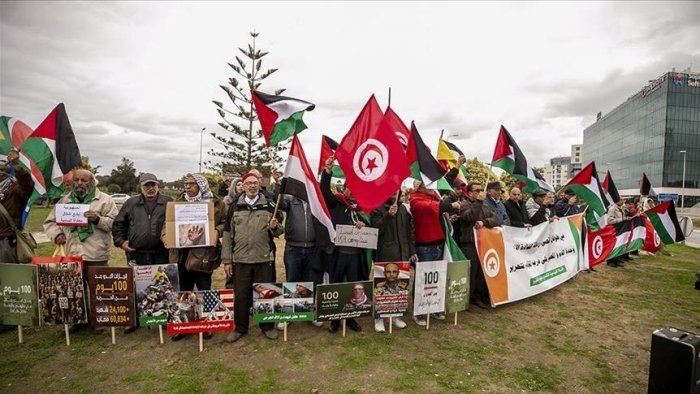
138,78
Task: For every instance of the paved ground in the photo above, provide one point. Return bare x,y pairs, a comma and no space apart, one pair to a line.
694,239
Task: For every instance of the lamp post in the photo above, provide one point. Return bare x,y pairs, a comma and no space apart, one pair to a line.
201,135
683,185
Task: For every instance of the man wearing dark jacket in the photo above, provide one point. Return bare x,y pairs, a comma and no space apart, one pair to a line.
138,226
395,235
301,254
515,208
345,263
474,214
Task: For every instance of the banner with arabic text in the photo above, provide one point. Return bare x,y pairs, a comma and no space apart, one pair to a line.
519,262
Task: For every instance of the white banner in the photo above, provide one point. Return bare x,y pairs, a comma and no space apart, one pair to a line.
519,262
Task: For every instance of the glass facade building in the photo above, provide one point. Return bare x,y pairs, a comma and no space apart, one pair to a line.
647,133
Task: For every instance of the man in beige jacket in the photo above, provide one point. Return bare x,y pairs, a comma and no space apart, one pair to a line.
94,242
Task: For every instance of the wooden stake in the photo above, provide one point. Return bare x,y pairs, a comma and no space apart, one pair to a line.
343,328
160,333
455,318
201,342
19,333
114,337
427,321
285,332
391,325
65,326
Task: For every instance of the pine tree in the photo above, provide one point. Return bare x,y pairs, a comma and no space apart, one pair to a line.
244,147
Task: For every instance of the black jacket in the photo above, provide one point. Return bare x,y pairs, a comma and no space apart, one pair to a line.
516,213
300,226
395,238
138,226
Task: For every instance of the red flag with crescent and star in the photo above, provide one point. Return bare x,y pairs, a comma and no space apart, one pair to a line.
372,158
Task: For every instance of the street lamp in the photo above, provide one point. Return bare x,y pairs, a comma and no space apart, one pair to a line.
683,196
201,135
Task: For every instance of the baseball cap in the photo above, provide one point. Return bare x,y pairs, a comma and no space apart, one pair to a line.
147,178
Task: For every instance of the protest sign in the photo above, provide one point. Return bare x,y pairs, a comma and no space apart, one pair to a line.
344,300
457,296
72,215
61,291
111,292
156,287
365,237
19,297
286,302
391,289
430,285
522,262
189,224
201,311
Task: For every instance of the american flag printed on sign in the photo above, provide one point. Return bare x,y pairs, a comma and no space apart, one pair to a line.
218,305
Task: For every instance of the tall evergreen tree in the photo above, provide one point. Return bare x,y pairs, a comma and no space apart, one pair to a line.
244,147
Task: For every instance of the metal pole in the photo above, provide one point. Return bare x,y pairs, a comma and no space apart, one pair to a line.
201,135
683,196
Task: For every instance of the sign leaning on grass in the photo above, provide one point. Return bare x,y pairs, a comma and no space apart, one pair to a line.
430,287
283,302
19,298
344,300
457,297
156,287
201,311
61,290
519,263
111,292
391,288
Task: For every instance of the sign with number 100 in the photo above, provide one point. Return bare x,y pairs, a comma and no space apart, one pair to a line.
429,296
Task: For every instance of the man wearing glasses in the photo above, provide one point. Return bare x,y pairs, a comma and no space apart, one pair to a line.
474,214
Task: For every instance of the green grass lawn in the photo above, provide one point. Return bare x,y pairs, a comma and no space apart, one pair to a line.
591,334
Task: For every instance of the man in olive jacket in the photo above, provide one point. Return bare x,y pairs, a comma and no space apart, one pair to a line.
246,252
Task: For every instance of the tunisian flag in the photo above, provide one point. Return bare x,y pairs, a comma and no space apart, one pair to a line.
372,158
599,245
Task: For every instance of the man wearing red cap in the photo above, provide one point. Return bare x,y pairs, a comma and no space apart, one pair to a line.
246,254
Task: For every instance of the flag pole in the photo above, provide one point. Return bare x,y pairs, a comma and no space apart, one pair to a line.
389,105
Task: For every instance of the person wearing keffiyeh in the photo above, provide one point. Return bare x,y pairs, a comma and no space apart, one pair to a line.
196,190
92,242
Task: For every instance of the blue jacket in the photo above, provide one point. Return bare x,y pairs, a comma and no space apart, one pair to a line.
499,209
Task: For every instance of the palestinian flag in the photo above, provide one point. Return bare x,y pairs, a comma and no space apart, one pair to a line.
623,233
399,127
49,153
610,190
508,157
451,252
587,188
328,147
645,188
663,218
599,245
639,234
423,165
13,132
299,181
280,117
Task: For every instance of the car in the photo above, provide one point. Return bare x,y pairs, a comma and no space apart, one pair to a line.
120,198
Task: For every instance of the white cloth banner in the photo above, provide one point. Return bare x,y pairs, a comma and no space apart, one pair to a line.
519,262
